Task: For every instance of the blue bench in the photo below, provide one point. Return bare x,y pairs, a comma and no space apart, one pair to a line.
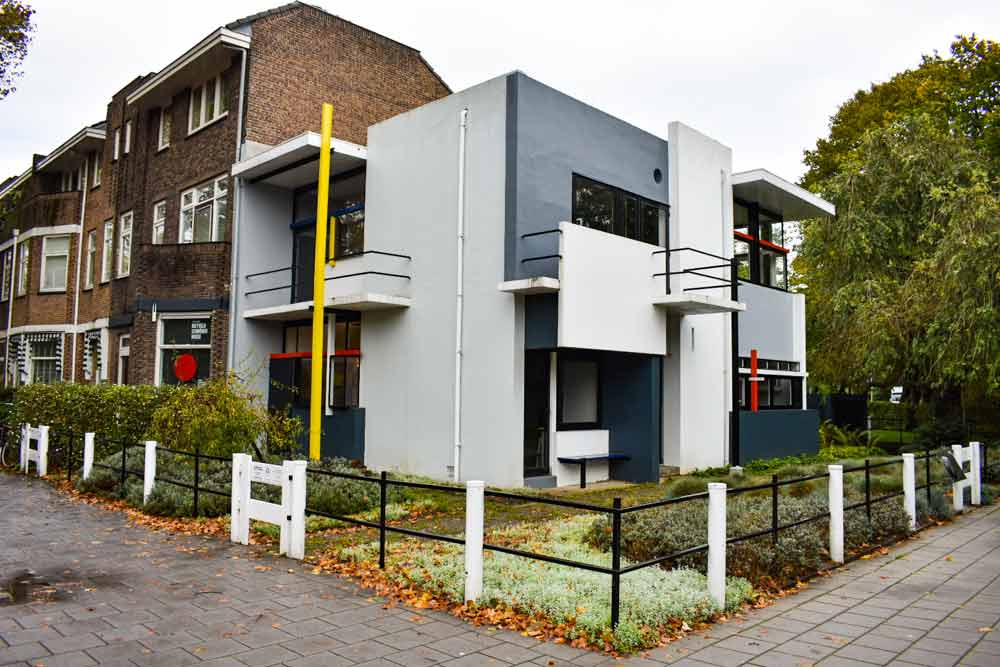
582,461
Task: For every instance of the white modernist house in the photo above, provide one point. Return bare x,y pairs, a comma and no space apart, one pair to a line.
527,287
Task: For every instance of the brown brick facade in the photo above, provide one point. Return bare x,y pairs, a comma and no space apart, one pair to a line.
298,58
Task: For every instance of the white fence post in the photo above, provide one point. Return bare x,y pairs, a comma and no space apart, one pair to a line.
836,512
25,444
296,471
149,470
88,454
910,489
976,463
239,519
43,451
717,543
474,508
958,488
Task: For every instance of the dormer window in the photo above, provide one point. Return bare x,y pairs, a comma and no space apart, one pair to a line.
209,102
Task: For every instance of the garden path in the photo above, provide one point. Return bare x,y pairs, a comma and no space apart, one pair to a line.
124,595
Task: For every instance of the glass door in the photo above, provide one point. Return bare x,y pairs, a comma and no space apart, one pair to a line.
536,413
303,259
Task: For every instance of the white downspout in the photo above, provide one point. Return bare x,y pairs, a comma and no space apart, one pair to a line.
10,306
235,247
459,296
79,257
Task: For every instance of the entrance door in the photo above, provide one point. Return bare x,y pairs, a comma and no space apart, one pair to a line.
303,251
536,413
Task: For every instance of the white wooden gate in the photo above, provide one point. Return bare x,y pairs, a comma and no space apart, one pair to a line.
973,477
289,516
40,455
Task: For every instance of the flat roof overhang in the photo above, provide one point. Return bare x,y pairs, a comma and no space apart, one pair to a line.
294,163
75,151
302,310
203,60
779,196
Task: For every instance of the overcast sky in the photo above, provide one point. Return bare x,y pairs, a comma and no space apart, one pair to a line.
763,78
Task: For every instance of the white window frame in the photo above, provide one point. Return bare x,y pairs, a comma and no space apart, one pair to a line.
23,267
117,143
123,353
158,365
124,265
42,287
203,105
8,274
107,250
159,221
32,359
128,137
97,168
162,142
90,260
217,229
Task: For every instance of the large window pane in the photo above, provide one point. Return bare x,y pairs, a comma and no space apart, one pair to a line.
649,221
203,223
176,365
578,385
593,205
772,268
187,332
781,392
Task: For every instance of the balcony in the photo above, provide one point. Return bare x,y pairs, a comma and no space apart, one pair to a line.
49,209
371,280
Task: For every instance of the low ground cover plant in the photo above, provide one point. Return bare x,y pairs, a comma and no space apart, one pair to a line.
652,599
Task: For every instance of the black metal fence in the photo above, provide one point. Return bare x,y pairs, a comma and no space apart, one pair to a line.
68,453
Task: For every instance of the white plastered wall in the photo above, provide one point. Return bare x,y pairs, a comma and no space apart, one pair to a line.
697,391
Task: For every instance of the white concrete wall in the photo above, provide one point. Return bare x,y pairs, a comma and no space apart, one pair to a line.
408,356
697,378
580,443
605,293
265,243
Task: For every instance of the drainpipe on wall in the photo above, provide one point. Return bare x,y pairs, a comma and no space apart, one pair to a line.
10,306
79,257
459,296
235,252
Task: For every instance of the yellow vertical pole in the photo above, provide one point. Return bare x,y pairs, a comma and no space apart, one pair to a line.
319,285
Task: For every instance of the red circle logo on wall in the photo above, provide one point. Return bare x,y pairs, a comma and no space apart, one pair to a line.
185,367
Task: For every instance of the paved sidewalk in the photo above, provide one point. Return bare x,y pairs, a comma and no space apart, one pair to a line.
128,596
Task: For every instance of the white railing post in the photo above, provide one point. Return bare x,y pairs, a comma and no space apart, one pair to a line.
43,451
836,512
296,471
958,488
910,489
717,543
976,469
88,454
239,519
149,470
474,508
25,444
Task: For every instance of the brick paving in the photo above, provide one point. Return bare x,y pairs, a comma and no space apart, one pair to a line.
132,597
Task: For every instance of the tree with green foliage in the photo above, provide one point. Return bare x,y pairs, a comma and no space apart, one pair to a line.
16,30
903,286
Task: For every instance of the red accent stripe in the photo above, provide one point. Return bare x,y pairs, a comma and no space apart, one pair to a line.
306,355
754,396
763,242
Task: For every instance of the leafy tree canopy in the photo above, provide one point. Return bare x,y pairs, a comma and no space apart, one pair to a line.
960,93
16,30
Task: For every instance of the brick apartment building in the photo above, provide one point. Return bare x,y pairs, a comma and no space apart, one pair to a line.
115,248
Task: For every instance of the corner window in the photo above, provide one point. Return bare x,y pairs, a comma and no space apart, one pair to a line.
159,221
615,211
579,393
185,349
89,261
124,244
164,132
774,392
23,265
107,250
209,102
55,263
346,373
203,212
758,245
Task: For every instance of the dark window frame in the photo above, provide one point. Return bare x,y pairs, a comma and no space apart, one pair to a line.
564,356
619,225
769,380
755,243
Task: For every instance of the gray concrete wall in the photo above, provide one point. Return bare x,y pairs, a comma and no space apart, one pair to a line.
265,243
769,323
408,355
554,135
